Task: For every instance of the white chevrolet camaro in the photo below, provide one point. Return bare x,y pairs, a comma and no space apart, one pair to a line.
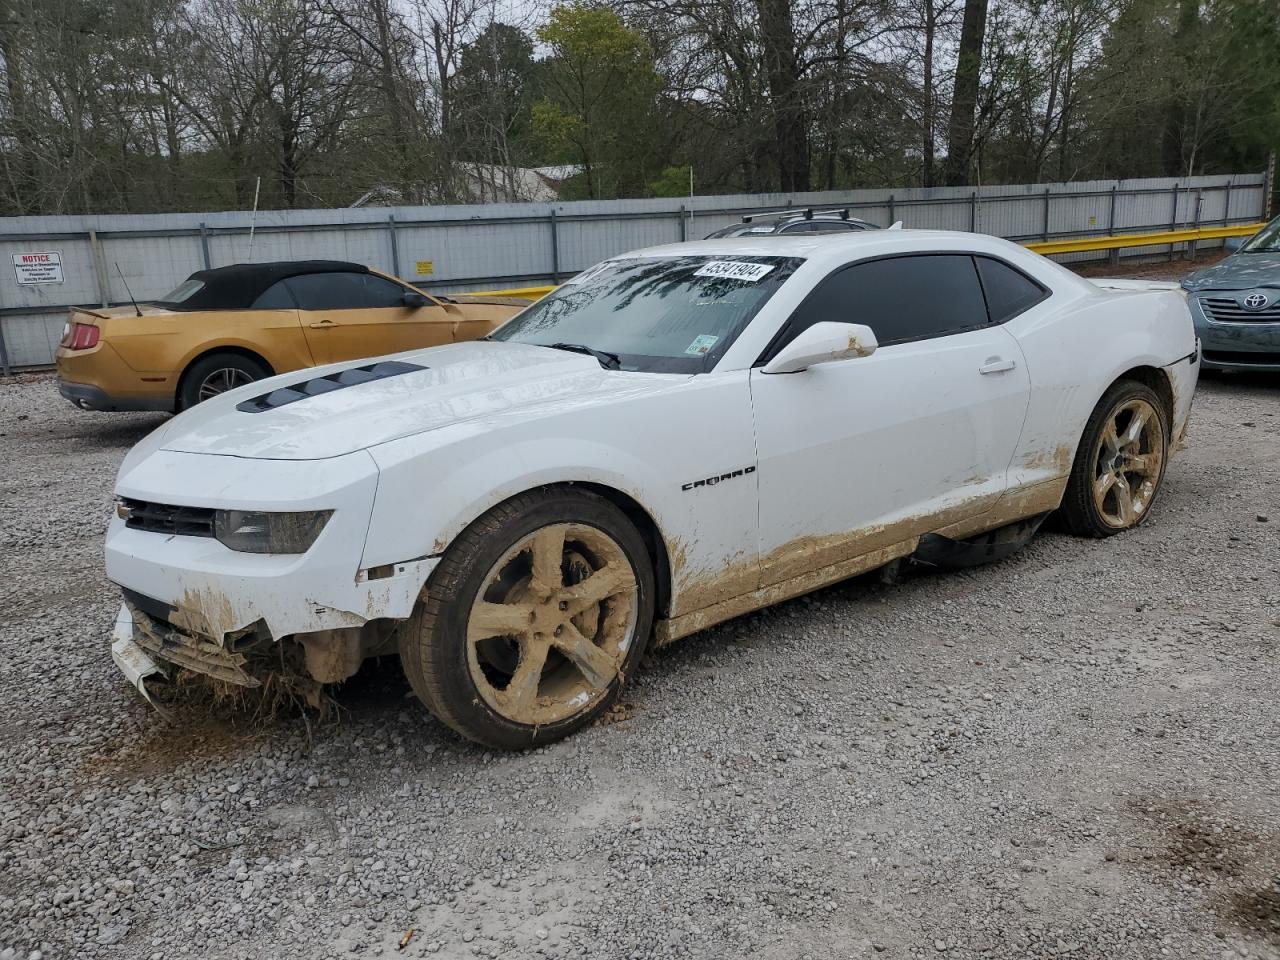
677,436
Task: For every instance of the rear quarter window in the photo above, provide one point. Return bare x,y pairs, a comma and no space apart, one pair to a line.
1008,291
275,297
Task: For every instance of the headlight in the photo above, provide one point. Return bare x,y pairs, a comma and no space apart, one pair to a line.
254,531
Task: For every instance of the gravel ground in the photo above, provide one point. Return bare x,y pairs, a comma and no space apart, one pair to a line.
1072,753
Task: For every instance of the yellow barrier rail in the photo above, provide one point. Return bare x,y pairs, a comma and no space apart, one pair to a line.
524,293
1045,247
1122,240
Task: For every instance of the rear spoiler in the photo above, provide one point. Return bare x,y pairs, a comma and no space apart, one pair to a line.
1108,283
100,316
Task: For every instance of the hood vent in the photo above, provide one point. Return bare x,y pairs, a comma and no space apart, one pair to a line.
282,396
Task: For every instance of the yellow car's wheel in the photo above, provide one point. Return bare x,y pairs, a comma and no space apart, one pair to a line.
218,373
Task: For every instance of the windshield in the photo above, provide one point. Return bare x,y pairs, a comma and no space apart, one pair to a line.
1266,240
658,315
184,291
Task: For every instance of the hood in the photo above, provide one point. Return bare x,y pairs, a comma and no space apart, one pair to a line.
1240,271
474,381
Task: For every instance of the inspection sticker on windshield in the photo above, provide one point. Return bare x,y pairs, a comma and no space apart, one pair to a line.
701,345
734,270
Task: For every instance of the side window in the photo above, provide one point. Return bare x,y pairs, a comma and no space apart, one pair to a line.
275,297
345,291
900,298
817,226
829,226
1009,292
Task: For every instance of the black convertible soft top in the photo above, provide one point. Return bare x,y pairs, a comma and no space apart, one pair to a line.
237,287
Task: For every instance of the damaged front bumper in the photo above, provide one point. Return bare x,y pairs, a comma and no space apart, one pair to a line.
149,651
130,658
193,603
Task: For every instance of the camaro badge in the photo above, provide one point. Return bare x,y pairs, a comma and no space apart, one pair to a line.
712,481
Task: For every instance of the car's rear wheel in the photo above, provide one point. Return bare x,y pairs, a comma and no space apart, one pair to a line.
218,373
535,617
1120,463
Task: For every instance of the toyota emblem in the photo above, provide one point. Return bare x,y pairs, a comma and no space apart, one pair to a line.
1255,301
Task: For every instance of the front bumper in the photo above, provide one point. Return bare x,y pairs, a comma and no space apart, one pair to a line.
202,589
1247,345
129,657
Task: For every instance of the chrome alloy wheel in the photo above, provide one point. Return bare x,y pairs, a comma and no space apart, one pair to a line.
220,381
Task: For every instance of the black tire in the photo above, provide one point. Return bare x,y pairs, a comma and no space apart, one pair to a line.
1081,513
235,369
434,646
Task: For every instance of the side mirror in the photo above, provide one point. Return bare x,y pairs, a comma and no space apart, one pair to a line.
822,343
414,299
1232,244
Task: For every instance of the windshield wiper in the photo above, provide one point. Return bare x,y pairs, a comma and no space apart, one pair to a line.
607,360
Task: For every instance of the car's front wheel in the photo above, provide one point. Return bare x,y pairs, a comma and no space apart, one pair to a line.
535,617
1120,463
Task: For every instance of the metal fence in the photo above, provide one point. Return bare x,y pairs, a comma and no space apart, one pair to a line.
63,261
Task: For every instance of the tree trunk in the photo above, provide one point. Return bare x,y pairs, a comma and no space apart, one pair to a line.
392,98
790,132
965,98
929,172
1176,110
22,174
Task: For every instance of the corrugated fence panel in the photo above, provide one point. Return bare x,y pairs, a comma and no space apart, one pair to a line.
458,248
472,251
583,242
31,340
151,266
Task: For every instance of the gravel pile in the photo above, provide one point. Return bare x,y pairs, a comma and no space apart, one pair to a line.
1072,753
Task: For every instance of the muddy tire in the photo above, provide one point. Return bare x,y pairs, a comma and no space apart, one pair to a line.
534,619
218,373
1119,464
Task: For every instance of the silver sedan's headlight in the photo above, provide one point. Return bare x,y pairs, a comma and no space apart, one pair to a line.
255,531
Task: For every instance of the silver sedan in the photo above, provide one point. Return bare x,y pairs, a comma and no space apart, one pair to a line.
1236,305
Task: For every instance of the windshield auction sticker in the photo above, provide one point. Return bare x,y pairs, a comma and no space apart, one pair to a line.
734,270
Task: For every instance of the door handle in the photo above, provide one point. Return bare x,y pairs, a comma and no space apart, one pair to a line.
323,323
996,365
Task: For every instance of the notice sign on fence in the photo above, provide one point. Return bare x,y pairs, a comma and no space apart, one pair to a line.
38,267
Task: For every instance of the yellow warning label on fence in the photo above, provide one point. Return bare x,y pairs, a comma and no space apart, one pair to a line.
424,268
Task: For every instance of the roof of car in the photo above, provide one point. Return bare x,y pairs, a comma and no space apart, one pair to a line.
830,250
237,286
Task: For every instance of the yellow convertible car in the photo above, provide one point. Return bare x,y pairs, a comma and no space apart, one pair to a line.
229,326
